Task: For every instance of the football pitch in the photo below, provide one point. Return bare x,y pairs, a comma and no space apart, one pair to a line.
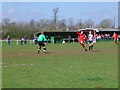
64,66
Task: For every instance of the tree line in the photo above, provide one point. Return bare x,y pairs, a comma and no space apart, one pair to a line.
18,30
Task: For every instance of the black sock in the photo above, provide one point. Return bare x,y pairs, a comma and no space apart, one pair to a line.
89,47
44,49
92,47
85,49
39,48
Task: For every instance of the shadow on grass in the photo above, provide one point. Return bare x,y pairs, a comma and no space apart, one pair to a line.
96,51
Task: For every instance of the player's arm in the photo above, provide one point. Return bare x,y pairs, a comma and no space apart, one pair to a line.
44,39
85,37
113,36
117,36
78,33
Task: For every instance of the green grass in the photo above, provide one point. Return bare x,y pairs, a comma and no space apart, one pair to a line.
65,66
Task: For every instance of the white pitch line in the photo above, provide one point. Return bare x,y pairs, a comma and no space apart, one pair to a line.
20,65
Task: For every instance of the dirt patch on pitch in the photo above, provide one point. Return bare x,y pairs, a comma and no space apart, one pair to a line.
56,53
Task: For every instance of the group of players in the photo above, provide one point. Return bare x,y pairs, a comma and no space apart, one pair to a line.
81,39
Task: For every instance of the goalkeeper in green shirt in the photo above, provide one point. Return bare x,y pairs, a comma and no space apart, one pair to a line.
41,39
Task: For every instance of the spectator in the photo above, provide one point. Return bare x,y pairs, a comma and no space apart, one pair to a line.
69,39
35,39
8,39
47,39
25,39
21,43
119,37
102,36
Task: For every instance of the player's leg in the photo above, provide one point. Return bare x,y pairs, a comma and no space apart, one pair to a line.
39,49
39,43
92,43
89,45
81,43
115,41
92,46
8,42
44,47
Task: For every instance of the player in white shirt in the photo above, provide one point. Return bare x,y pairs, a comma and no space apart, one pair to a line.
90,40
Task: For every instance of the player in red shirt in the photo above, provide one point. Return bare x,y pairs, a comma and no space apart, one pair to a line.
81,38
115,36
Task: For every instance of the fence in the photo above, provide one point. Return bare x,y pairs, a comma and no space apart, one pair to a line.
18,42
64,40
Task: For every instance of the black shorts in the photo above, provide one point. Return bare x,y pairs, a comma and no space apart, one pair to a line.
40,43
90,42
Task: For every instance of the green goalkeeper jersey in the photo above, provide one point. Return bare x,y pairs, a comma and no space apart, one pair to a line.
41,38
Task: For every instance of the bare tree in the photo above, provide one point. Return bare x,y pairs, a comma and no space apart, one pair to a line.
106,23
80,26
89,23
70,21
43,23
62,23
6,21
55,12
32,23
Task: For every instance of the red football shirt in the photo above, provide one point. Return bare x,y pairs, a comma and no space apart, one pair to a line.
115,36
81,37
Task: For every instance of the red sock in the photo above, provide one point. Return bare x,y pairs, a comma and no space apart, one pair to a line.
115,42
82,45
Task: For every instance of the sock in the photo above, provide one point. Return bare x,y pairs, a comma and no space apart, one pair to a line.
115,42
44,49
89,47
39,48
82,45
85,49
92,47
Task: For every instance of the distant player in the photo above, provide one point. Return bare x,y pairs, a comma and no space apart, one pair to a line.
21,42
35,39
90,40
25,39
41,39
8,39
81,38
115,36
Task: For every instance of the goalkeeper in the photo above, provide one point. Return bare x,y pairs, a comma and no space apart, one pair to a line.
41,42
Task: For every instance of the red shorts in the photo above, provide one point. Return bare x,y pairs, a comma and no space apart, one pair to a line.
80,41
115,39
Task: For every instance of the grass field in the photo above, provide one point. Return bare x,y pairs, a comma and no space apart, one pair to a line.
64,66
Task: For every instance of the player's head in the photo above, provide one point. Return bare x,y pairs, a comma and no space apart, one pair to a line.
90,32
42,32
114,33
78,30
81,32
